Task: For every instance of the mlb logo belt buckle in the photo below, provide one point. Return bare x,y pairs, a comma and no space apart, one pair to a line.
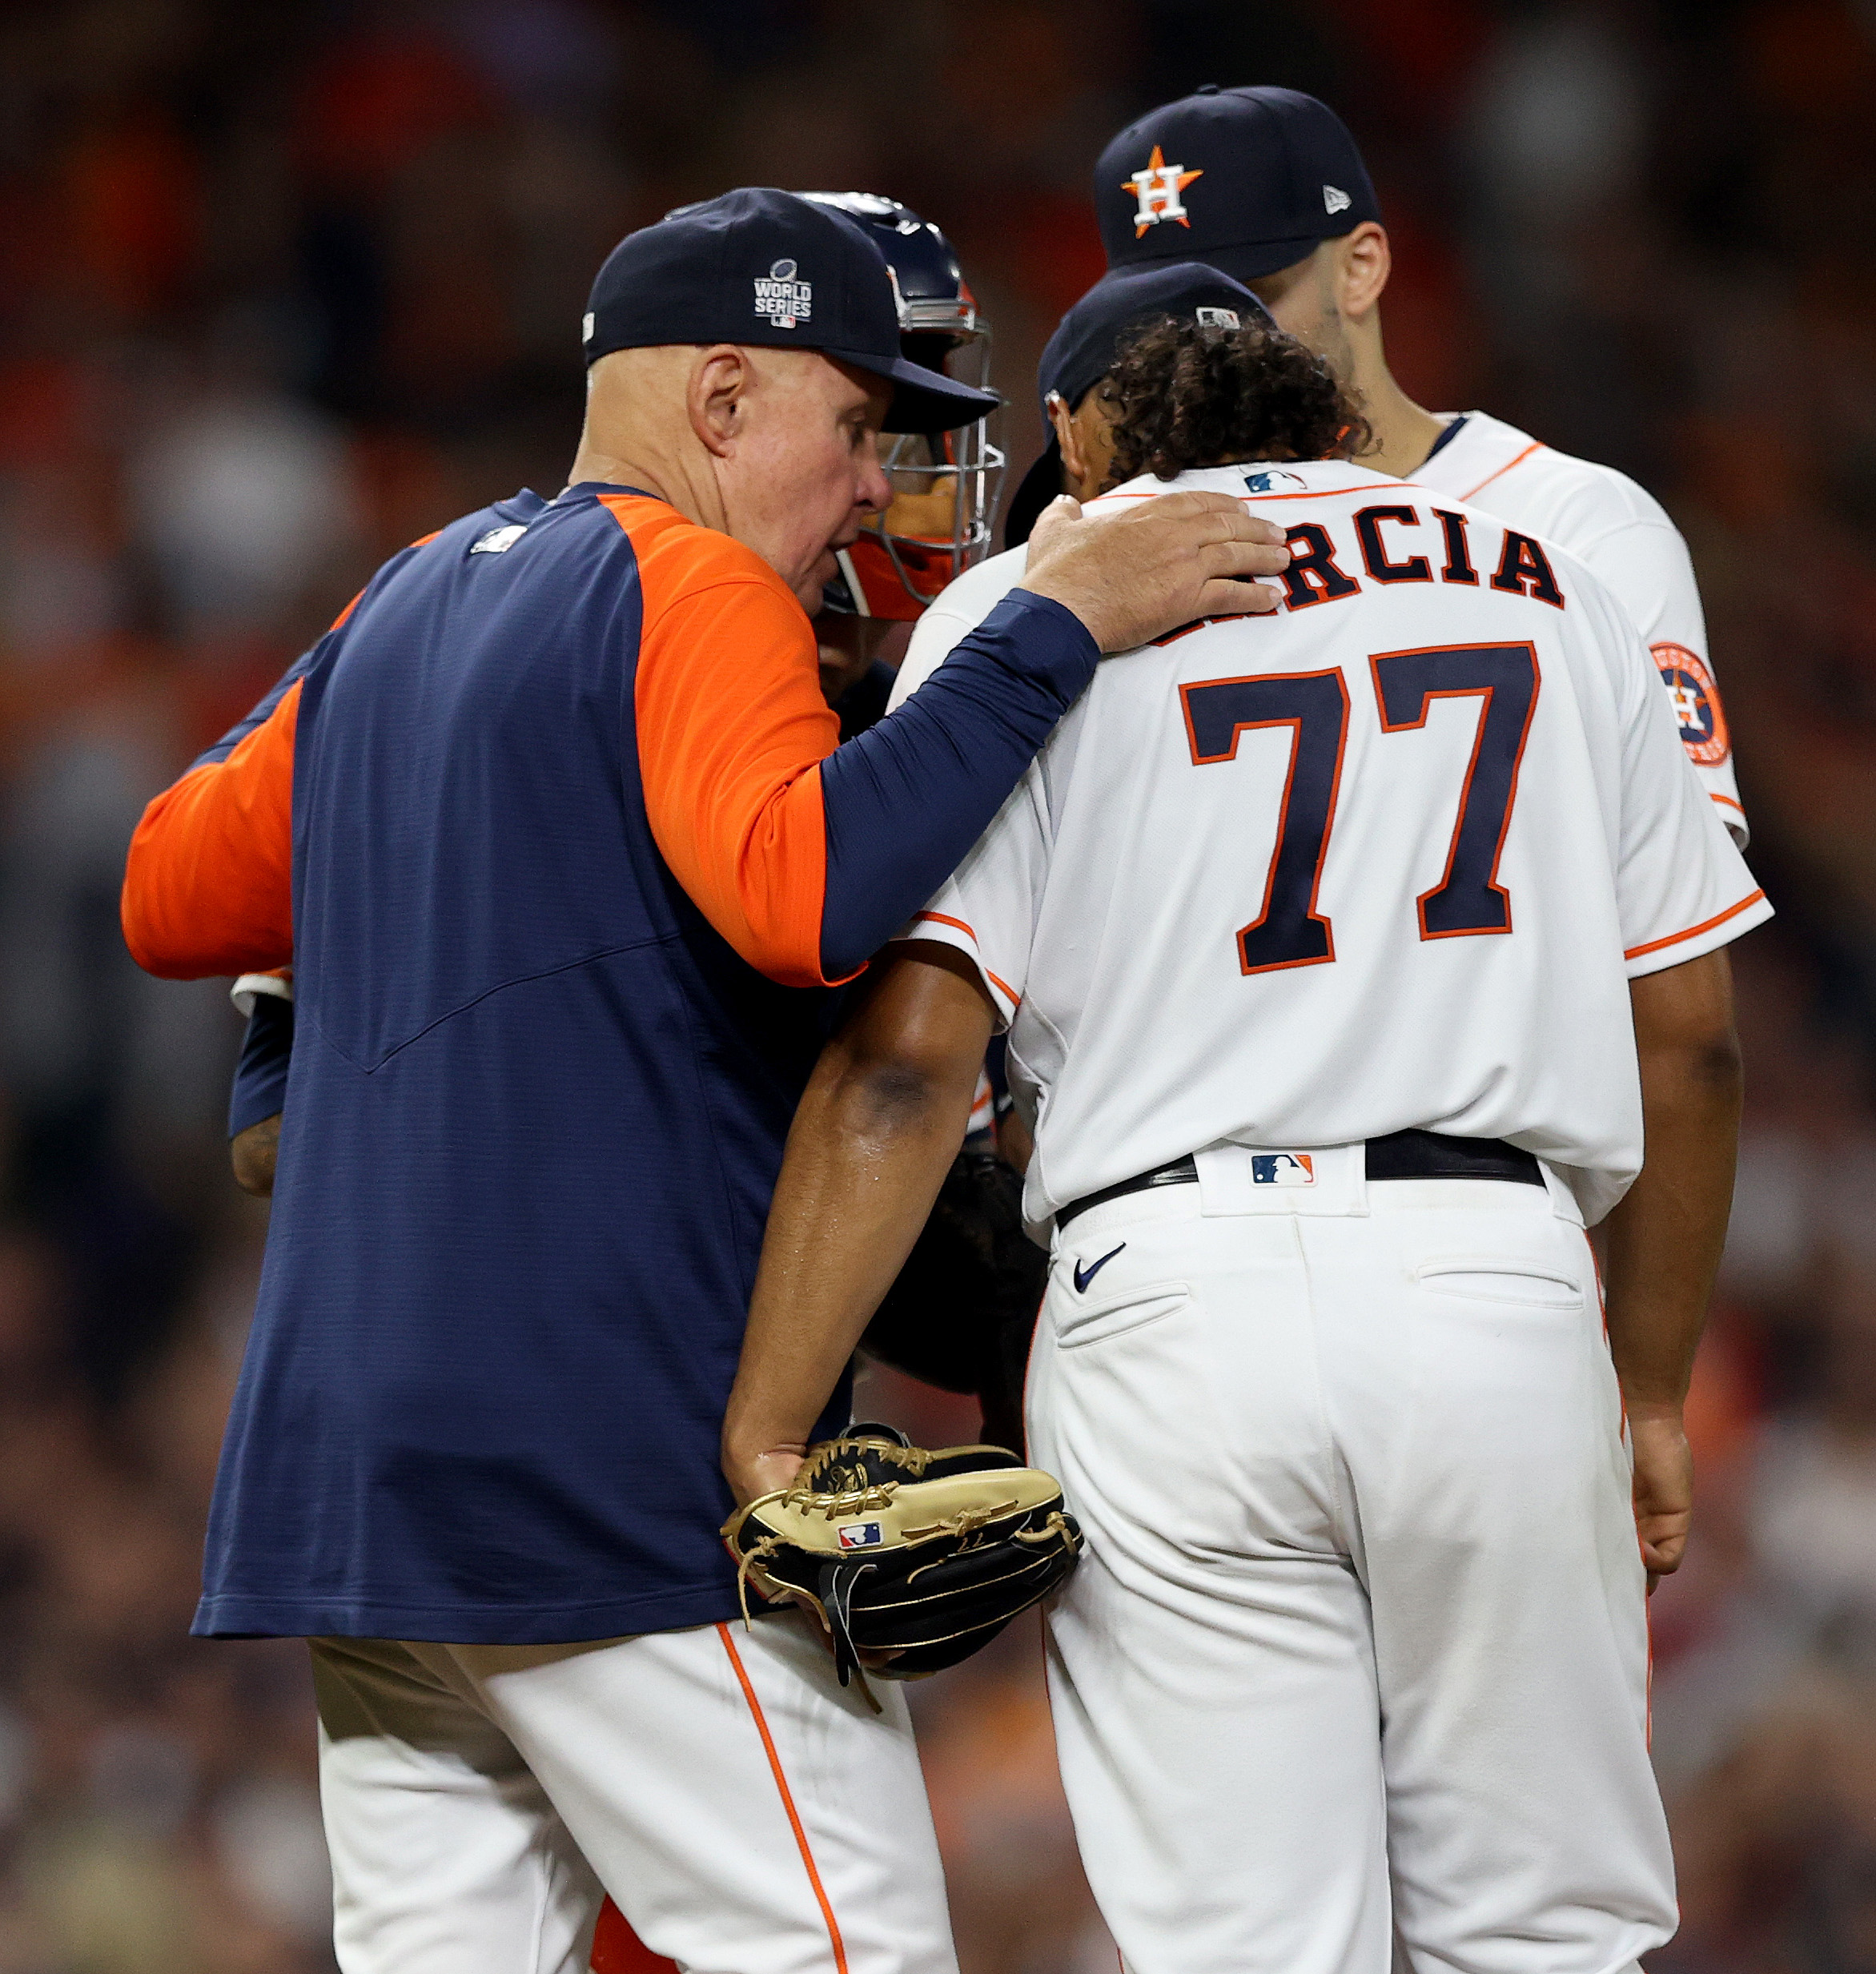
1282,1168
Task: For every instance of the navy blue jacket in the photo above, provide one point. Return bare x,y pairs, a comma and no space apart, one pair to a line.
562,809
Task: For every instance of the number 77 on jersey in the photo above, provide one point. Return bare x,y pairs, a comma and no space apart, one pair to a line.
1468,900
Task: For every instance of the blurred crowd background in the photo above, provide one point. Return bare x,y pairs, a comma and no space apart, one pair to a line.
282,287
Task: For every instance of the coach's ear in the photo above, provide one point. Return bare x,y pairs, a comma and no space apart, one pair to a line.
1362,263
719,382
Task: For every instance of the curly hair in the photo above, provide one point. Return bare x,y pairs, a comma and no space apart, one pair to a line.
1186,394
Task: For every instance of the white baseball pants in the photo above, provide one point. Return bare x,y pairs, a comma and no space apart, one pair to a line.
747,1816
1359,1643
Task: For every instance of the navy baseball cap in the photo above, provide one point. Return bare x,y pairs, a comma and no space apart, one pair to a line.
1249,180
1082,352
762,267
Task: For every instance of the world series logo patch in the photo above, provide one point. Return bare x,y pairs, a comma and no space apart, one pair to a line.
1697,704
782,301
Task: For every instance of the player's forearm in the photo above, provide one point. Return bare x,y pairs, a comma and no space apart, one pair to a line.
874,1137
1664,1240
870,1149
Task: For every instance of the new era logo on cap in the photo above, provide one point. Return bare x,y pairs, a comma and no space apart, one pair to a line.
1334,199
1217,318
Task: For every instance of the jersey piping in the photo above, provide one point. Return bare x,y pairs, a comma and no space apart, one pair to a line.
1536,445
1694,931
1002,987
788,1802
1366,486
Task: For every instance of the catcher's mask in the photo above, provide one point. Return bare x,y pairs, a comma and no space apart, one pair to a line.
946,487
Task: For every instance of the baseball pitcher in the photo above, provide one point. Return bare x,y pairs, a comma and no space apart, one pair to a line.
1342,957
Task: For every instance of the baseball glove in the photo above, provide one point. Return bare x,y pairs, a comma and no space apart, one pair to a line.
926,1555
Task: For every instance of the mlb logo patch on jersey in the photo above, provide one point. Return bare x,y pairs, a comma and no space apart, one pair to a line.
498,541
1273,483
1282,1168
1696,703
862,1535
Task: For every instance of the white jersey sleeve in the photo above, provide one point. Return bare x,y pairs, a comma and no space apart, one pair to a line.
1647,565
987,909
958,611
1622,535
1681,887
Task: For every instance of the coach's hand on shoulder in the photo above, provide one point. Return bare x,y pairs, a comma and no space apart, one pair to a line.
1133,575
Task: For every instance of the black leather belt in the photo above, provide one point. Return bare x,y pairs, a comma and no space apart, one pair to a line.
1401,1155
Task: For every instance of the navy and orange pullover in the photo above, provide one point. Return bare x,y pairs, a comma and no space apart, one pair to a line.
554,830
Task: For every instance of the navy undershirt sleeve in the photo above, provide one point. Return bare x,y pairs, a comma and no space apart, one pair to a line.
260,1075
907,799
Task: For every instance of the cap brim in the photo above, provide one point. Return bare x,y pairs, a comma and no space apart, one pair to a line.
923,400
1249,261
1040,485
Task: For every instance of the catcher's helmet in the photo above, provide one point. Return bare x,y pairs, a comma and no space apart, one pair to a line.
945,487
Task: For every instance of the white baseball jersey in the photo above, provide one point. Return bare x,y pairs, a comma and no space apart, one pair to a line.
1386,859
1622,534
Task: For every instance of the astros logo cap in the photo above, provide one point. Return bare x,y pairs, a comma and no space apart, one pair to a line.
759,265
1248,180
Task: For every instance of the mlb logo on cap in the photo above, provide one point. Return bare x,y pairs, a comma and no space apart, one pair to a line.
1282,1168
862,1535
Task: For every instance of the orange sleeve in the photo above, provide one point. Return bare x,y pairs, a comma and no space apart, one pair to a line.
208,885
731,731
